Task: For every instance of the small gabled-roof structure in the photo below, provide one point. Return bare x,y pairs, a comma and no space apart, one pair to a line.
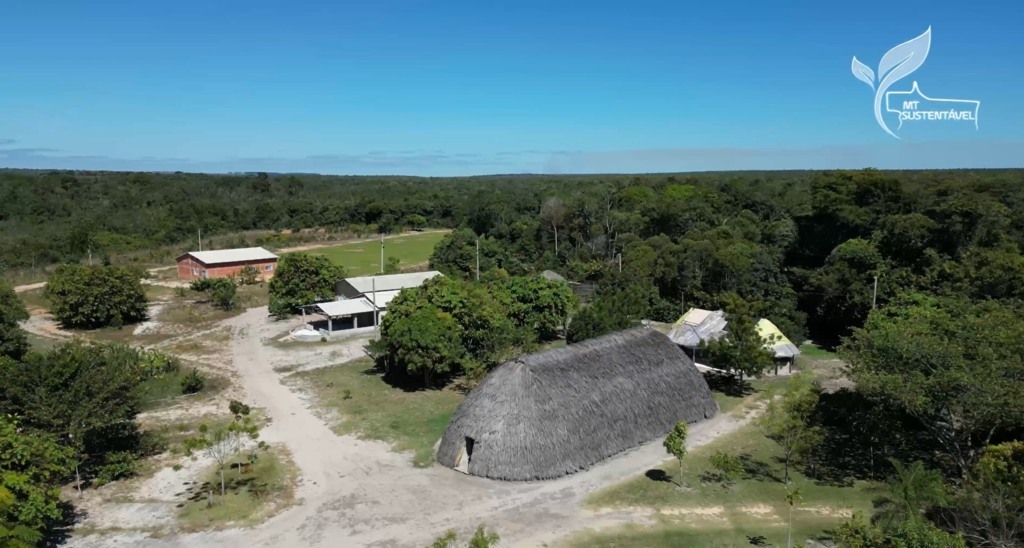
228,256
698,325
560,411
781,346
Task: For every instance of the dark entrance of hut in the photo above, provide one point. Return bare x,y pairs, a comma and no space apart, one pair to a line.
466,455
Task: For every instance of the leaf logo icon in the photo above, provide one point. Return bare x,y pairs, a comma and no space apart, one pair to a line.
896,64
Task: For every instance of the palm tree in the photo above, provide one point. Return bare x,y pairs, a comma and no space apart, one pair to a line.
911,491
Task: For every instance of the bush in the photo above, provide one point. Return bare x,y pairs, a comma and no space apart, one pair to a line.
221,291
248,275
117,465
90,297
192,382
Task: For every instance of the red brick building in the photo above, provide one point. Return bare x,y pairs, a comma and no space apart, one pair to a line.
221,263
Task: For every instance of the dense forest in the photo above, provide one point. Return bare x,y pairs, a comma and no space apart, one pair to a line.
805,247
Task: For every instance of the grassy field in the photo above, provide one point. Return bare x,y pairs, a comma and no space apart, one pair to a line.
373,409
251,495
706,513
363,258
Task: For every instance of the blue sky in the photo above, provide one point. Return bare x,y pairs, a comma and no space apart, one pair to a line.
454,88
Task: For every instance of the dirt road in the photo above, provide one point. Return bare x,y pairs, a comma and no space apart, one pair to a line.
358,493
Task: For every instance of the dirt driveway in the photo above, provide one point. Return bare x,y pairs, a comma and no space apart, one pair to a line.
359,493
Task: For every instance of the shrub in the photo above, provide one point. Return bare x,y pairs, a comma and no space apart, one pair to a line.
346,394
117,465
90,297
192,382
248,275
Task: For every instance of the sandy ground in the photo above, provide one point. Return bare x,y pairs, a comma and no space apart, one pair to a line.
354,492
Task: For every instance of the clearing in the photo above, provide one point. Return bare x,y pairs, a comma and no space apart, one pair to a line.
356,491
362,258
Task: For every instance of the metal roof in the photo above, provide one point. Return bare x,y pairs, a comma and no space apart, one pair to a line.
334,309
382,298
698,325
221,256
390,282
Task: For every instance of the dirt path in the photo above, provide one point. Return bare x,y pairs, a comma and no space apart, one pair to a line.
335,243
40,285
358,493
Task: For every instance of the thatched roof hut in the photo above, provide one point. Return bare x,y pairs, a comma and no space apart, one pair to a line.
560,411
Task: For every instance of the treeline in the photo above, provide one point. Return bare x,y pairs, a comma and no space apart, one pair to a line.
805,246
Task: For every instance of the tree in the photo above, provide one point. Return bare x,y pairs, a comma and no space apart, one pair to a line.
32,467
536,304
843,288
302,279
89,297
955,366
552,213
989,511
742,350
424,341
787,422
84,394
858,533
596,320
13,342
223,441
675,445
221,291
793,497
910,492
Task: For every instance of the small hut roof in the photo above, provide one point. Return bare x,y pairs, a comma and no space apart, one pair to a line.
552,276
698,325
782,347
556,412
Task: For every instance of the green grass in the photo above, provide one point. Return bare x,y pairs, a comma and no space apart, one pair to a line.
165,390
34,299
812,351
273,470
42,344
363,258
409,421
707,514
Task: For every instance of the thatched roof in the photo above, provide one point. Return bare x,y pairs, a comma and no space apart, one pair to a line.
556,412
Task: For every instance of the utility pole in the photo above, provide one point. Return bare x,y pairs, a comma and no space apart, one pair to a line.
376,312
90,256
381,252
200,239
620,262
874,293
682,302
478,258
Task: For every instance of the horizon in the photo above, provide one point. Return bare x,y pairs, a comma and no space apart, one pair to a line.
476,90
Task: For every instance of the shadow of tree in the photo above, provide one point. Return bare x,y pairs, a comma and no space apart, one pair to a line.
861,436
658,475
730,385
756,469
